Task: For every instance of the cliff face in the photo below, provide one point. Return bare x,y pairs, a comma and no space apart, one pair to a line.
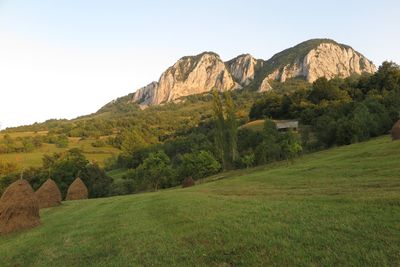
198,74
243,68
188,76
327,59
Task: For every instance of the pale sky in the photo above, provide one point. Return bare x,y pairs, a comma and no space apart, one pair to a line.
66,58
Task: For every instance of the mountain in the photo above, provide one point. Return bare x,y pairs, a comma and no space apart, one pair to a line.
189,75
309,60
313,59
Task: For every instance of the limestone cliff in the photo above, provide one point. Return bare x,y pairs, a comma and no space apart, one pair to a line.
188,76
243,68
309,60
314,59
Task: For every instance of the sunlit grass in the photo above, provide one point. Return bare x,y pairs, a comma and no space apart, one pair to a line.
339,207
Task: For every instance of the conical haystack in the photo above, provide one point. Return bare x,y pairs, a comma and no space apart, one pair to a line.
395,132
19,208
77,190
48,195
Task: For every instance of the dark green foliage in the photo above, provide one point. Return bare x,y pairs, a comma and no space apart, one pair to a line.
62,141
248,139
194,142
324,90
97,181
340,111
225,134
269,150
64,167
247,160
290,145
154,171
198,165
269,106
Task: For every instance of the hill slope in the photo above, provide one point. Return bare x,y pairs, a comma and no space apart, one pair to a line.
332,208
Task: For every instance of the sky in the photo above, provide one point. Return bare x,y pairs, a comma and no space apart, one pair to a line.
66,58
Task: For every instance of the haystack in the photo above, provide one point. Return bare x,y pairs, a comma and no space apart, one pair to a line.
395,132
187,182
77,190
19,208
48,195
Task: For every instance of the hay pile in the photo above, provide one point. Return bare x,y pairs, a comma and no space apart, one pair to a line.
48,195
77,190
395,132
19,208
187,182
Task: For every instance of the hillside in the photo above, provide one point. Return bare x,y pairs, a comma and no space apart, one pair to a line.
34,158
332,208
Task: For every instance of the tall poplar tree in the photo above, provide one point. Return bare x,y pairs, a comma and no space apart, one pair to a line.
225,129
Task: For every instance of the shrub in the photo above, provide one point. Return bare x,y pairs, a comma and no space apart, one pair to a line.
198,165
187,182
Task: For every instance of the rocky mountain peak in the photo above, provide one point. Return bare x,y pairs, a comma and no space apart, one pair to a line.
201,73
189,75
314,59
243,68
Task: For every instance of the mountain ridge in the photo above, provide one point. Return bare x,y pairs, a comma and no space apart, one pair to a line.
203,72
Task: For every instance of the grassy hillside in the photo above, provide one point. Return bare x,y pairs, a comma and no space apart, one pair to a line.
339,207
34,158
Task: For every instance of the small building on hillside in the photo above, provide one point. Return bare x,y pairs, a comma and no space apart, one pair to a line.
285,125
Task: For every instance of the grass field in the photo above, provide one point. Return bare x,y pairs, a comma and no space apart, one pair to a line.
34,158
339,207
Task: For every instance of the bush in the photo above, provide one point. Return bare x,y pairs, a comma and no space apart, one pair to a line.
62,141
198,165
98,143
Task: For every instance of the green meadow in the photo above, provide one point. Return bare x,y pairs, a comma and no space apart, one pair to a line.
34,158
339,207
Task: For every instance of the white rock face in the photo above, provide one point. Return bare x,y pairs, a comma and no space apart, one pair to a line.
206,71
330,60
242,68
188,76
327,60
145,94
265,86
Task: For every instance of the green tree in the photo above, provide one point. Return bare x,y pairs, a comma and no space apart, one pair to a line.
198,165
62,141
27,144
290,145
225,129
269,149
324,90
132,141
155,169
231,127
96,179
219,136
64,167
